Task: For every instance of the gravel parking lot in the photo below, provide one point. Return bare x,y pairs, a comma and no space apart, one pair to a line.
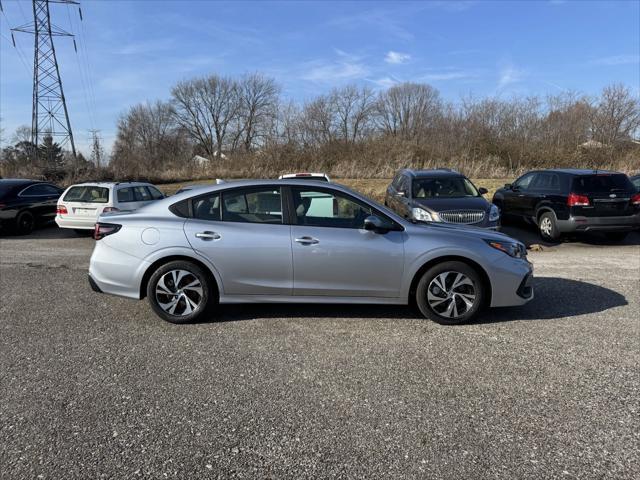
93,386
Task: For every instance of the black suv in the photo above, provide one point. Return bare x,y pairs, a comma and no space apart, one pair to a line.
571,201
441,195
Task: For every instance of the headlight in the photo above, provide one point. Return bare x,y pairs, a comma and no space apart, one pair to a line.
421,215
515,250
494,213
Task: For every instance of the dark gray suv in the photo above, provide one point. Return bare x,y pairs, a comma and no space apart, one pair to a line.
441,195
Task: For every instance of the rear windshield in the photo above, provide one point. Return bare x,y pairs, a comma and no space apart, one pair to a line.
602,183
87,194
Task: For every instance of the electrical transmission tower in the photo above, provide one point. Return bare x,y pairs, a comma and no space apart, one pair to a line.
49,116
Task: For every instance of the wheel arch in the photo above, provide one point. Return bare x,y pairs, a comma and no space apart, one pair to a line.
171,258
544,209
451,258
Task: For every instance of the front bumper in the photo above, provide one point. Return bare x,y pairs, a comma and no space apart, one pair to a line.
600,224
511,282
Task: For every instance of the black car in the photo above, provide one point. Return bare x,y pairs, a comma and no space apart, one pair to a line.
441,195
26,203
572,201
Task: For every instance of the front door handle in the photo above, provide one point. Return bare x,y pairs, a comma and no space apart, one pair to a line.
208,235
307,240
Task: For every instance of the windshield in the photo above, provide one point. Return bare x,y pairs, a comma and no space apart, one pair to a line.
443,187
602,184
87,194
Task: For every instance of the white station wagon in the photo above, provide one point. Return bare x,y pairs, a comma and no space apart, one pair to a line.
80,205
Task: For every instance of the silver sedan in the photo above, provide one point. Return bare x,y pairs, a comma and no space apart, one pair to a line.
304,242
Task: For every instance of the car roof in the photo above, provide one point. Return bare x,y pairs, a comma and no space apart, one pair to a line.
107,184
579,171
436,172
18,181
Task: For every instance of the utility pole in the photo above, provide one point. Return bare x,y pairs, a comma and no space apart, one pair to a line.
96,150
49,115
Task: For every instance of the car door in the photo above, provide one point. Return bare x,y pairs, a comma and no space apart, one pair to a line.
41,200
515,198
332,253
241,231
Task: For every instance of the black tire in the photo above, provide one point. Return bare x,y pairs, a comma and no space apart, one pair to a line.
616,236
435,312
548,227
25,223
206,301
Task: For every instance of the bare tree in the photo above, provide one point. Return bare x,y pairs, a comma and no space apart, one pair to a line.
615,115
259,97
353,108
207,108
407,109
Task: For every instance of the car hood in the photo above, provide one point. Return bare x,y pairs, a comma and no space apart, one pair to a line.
444,204
462,230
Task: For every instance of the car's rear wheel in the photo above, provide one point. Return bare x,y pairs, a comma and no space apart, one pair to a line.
616,236
25,223
450,293
181,292
548,227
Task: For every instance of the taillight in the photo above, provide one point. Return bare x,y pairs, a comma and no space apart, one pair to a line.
110,209
635,200
104,229
576,200
61,210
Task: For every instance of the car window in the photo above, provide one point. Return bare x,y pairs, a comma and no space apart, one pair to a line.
87,194
263,205
602,183
396,181
545,181
443,187
404,184
126,195
207,208
636,183
523,182
321,208
155,193
40,189
141,194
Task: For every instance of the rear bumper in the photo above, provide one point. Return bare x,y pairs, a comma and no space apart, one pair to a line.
88,223
600,224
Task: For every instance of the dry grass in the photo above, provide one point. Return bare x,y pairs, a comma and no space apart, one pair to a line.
371,187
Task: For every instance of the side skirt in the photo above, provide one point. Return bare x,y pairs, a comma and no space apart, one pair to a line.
309,299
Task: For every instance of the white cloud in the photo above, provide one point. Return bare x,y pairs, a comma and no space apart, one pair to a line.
330,72
436,76
397,57
385,82
509,75
617,60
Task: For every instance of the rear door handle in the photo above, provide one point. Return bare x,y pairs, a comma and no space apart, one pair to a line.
208,235
307,240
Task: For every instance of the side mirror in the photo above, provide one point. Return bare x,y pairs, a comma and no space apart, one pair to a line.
483,191
377,225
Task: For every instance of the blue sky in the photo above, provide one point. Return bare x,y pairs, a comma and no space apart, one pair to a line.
132,51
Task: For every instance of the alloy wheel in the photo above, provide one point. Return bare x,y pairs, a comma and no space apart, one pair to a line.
179,292
546,227
451,294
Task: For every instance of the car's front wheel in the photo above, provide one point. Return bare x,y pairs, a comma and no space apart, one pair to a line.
181,292
450,293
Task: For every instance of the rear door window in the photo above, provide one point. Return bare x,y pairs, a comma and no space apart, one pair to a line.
602,184
126,195
546,181
207,208
142,194
262,205
87,194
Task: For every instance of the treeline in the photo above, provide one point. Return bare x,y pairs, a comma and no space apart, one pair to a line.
243,127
